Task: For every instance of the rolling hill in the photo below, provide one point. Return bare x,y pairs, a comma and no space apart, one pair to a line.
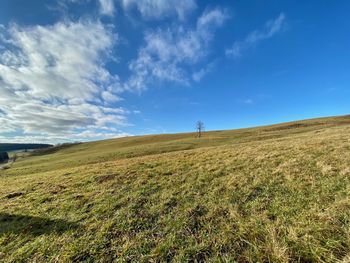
276,193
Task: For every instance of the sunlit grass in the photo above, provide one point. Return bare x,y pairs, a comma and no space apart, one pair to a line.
269,194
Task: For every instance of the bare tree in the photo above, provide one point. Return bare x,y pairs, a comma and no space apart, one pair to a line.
199,128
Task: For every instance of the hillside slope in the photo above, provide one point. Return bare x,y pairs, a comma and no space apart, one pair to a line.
277,193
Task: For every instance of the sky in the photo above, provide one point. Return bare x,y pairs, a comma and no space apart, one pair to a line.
81,70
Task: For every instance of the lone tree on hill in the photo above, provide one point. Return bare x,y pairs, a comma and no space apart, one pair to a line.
199,128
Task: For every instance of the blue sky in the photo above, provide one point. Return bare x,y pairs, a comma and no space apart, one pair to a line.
93,69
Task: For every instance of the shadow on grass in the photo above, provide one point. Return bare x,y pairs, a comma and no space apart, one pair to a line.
33,225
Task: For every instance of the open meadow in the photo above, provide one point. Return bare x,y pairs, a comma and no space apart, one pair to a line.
277,193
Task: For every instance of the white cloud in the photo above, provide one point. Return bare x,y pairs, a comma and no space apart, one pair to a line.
155,9
270,29
108,96
168,54
53,79
54,139
198,75
107,7
212,18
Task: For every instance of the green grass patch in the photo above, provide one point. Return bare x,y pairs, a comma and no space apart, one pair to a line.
269,194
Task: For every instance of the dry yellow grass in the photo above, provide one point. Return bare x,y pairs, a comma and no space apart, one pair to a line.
268,194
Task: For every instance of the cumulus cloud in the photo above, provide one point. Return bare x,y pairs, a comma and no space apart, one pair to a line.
168,54
155,9
53,79
107,7
270,29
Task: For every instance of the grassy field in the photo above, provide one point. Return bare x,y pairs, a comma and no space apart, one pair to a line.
277,193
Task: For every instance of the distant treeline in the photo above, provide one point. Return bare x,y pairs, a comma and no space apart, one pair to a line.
6,147
3,157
